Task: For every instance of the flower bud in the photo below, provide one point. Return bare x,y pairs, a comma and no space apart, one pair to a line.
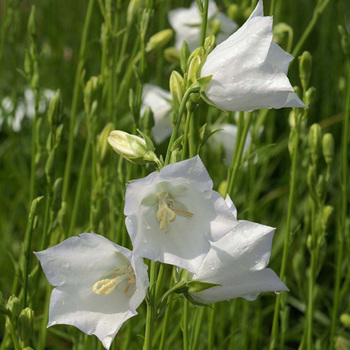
147,119
320,187
309,96
13,306
305,67
223,188
55,107
197,52
184,55
280,30
209,44
31,23
159,40
101,146
134,7
176,85
25,325
193,69
172,55
216,27
131,147
234,12
311,177
327,212
345,320
341,343
315,135
328,148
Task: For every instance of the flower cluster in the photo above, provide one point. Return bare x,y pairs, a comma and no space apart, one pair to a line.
173,215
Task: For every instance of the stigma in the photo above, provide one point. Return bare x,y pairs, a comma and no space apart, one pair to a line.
167,211
125,275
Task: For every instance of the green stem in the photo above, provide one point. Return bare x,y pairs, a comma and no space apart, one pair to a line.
80,184
197,328
185,323
75,100
342,231
211,331
13,333
287,235
204,22
178,122
317,13
236,162
147,345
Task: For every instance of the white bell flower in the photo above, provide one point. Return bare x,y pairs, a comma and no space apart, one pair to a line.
159,100
186,23
249,70
173,214
99,285
238,263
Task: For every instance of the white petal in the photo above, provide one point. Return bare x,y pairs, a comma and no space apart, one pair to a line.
191,169
186,241
158,100
73,267
237,262
249,70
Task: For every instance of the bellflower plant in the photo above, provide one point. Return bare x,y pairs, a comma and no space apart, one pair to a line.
249,70
98,284
187,24
159,100
238,263
173,214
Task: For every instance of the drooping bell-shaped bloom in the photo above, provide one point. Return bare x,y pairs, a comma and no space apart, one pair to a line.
99,285
238,263
159,100
187,24
249,70
173,214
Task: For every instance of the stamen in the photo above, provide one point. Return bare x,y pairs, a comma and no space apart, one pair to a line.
106,286
167,210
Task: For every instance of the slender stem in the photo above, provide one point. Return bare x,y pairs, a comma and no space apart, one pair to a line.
311,277
147,345
287,235
178,122
185,324
342,231
75,100
80,184
13,333
186,135
211,332
197,328
317,13
204,21
238,156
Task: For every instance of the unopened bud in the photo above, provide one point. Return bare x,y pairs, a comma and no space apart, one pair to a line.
133,9
223,188
209,44
280,30
320,187
309,96
341,343
197,52
27,63
314,140
172,55
309,243
176,85
328,148
31,23
327,212
25,325
345,320
13,306
234,12
185,53
147,119
101,146
90,90
131,147
311,177
159,40
305,67
55,107
216,27
193,69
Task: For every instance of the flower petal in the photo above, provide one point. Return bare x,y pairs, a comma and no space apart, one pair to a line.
237,262
73,267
